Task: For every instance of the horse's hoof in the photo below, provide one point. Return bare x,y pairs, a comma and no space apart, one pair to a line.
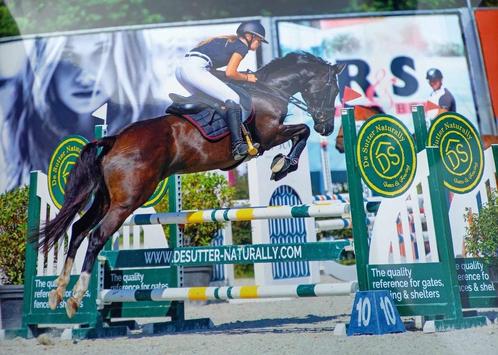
71,307
292,167
278,176
278,163
289,167
54,298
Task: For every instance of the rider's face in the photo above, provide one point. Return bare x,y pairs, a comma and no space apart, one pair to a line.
256,42
85,78
435,84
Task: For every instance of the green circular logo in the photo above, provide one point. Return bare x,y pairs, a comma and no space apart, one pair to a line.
62,161
161,190
460,149
386,155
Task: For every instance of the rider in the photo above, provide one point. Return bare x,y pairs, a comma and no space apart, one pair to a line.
194,73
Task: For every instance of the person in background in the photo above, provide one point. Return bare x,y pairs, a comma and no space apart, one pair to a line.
440,95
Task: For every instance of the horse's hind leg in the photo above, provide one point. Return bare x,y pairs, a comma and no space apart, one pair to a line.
80,230
111,222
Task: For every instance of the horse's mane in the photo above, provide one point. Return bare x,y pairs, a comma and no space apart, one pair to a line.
289,60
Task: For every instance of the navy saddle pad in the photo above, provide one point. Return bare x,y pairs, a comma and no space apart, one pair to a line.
211,124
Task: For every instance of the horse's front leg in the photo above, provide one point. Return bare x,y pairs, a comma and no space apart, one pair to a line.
284,164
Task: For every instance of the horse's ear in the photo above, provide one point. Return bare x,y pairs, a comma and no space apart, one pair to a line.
338,68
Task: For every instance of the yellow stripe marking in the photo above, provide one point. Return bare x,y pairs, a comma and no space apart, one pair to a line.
197,294
195,217
249,292
244,214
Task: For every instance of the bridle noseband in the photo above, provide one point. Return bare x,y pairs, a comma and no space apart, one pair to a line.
326,106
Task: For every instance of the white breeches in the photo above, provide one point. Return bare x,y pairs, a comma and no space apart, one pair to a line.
193,73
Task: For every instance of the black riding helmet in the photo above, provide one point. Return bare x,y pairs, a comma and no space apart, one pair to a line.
253,27
434,74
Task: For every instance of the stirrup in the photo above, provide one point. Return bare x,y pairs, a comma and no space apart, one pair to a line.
252,148
239,150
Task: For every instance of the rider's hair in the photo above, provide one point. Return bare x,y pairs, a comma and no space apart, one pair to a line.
229,38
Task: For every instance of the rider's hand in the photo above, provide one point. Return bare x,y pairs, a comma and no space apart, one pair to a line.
251,78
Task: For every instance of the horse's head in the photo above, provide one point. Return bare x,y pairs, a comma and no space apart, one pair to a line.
319,93
313,77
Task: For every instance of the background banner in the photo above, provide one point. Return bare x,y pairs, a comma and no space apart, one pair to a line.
487,21
50,86
387,58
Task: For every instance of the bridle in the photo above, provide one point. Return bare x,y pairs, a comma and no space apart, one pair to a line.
327,104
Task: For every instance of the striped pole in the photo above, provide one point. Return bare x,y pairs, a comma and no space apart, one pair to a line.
344,197
338,223
226,293
332,224
241,214
371,204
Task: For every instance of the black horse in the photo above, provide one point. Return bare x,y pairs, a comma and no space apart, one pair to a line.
126,171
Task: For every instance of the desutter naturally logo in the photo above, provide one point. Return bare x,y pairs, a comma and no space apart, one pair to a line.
386,155
460,149
62,161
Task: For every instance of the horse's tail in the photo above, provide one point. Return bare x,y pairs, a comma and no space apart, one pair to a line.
83,179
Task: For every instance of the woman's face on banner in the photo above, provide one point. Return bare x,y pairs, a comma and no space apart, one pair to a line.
85,76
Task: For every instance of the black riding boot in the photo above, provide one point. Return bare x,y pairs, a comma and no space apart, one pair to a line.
233,119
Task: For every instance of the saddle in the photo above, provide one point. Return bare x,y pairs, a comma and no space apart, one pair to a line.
206,113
